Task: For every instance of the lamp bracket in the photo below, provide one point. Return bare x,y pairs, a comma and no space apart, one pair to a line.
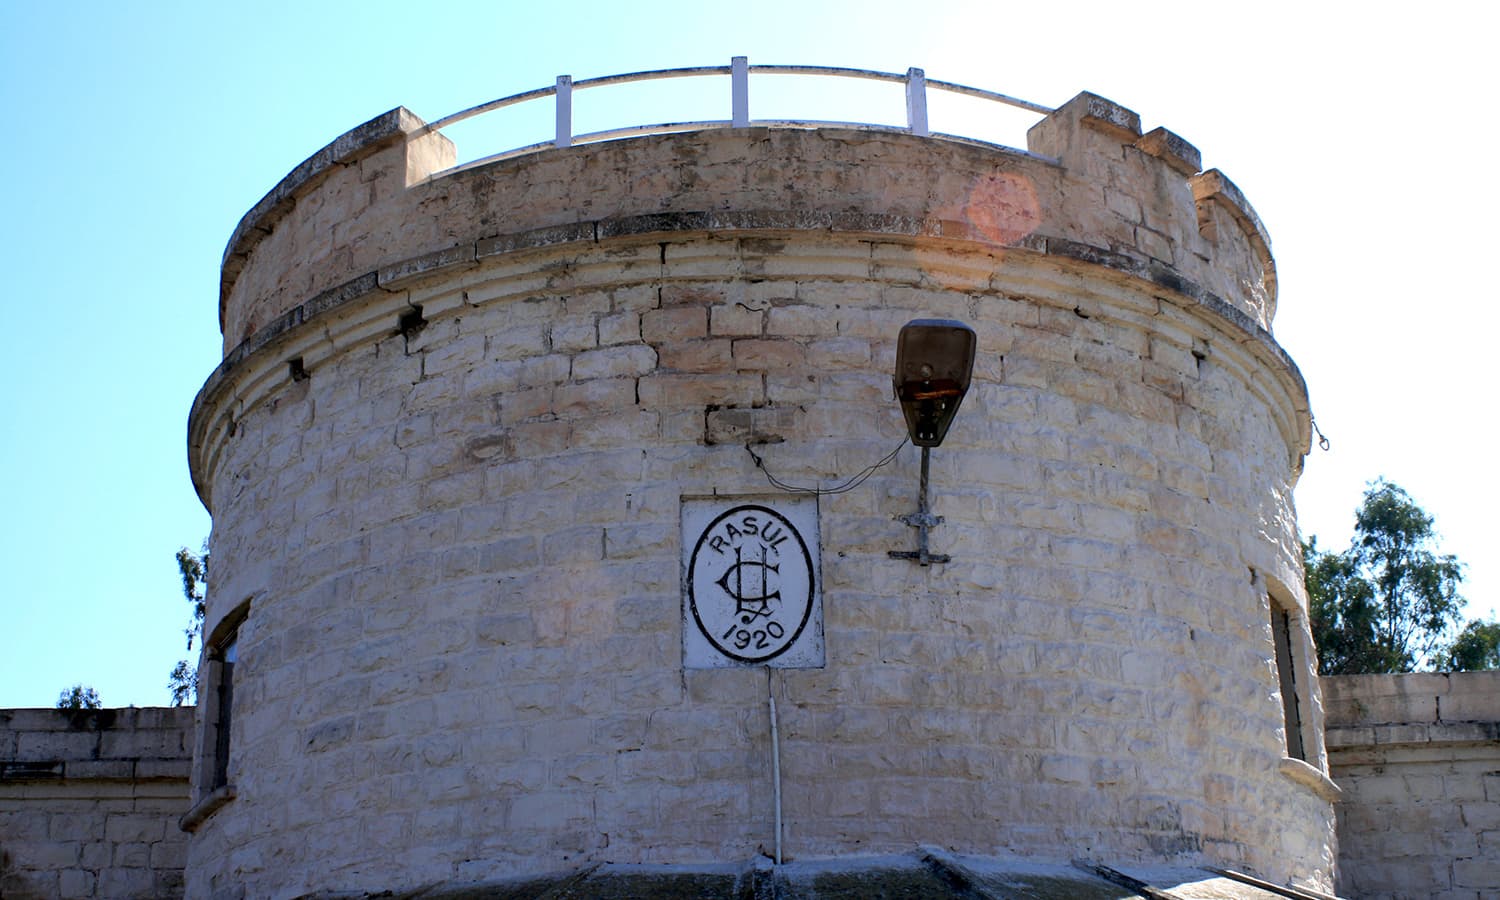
921,520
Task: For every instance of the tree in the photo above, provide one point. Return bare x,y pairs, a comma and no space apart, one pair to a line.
193,567
1343,613
1386,603
1476,647
79,697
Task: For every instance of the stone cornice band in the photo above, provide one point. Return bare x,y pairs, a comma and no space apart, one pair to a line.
396,276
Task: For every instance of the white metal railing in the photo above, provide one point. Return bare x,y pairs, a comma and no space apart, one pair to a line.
916,83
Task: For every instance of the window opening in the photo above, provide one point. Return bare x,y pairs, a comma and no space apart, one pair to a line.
227,653
1286,670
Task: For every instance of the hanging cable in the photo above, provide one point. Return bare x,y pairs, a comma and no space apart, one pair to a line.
849,485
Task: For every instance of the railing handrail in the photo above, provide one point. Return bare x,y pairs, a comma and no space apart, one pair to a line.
739,70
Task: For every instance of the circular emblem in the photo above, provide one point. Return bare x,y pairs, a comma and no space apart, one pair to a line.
750,583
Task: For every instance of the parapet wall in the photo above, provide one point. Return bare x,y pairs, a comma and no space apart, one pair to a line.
367,203
1418,758
90,800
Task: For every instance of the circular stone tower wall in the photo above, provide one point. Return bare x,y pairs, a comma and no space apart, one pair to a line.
461,419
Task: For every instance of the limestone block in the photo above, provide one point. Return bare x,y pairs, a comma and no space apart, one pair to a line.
525,404
706,356
614,362
750,426
76,883
675,323
572,333
599,395
521,341
620,328
123,828
801,320
736,320
1177,153
96,855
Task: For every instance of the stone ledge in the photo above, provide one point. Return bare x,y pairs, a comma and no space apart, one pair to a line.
535,238
96,770
1432,698
205,808
1173,150
38,770
1310,776
401,273
1377,736
1108,116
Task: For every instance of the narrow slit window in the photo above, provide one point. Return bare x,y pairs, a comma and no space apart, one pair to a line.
227,653
212,785
1286,670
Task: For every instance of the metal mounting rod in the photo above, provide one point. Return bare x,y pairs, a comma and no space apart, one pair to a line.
775,760
922,520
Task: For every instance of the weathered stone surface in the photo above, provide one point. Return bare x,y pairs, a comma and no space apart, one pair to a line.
1183,157
99,818
411,230
1416,757
460,542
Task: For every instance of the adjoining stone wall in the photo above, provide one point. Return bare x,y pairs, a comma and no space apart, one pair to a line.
90,801
1418,758
449,490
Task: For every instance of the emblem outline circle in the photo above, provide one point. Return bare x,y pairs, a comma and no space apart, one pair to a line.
812,583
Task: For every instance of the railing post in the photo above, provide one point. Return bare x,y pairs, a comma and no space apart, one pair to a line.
564,111
739,77
916,102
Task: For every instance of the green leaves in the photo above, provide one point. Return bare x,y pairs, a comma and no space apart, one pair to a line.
1385,604
1476,647
193,567
79,697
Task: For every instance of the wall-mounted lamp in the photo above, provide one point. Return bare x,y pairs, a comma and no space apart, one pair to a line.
934,362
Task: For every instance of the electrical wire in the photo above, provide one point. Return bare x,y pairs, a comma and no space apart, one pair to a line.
854,481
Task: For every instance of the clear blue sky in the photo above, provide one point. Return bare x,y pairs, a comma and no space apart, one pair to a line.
142,132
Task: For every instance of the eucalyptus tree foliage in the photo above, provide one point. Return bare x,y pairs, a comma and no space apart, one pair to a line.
1388,602
79,697
193,567
1476,647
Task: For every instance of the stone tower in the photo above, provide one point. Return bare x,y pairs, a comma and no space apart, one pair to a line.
473,422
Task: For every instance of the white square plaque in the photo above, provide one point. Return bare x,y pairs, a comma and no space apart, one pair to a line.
751,591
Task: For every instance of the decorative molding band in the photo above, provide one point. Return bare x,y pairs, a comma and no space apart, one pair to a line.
395,277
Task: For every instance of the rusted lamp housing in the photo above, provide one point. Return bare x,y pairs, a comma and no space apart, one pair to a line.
934,362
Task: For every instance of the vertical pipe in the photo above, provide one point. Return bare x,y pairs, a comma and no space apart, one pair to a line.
775,761
739,76
922,500
923,557
916,102
564,111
